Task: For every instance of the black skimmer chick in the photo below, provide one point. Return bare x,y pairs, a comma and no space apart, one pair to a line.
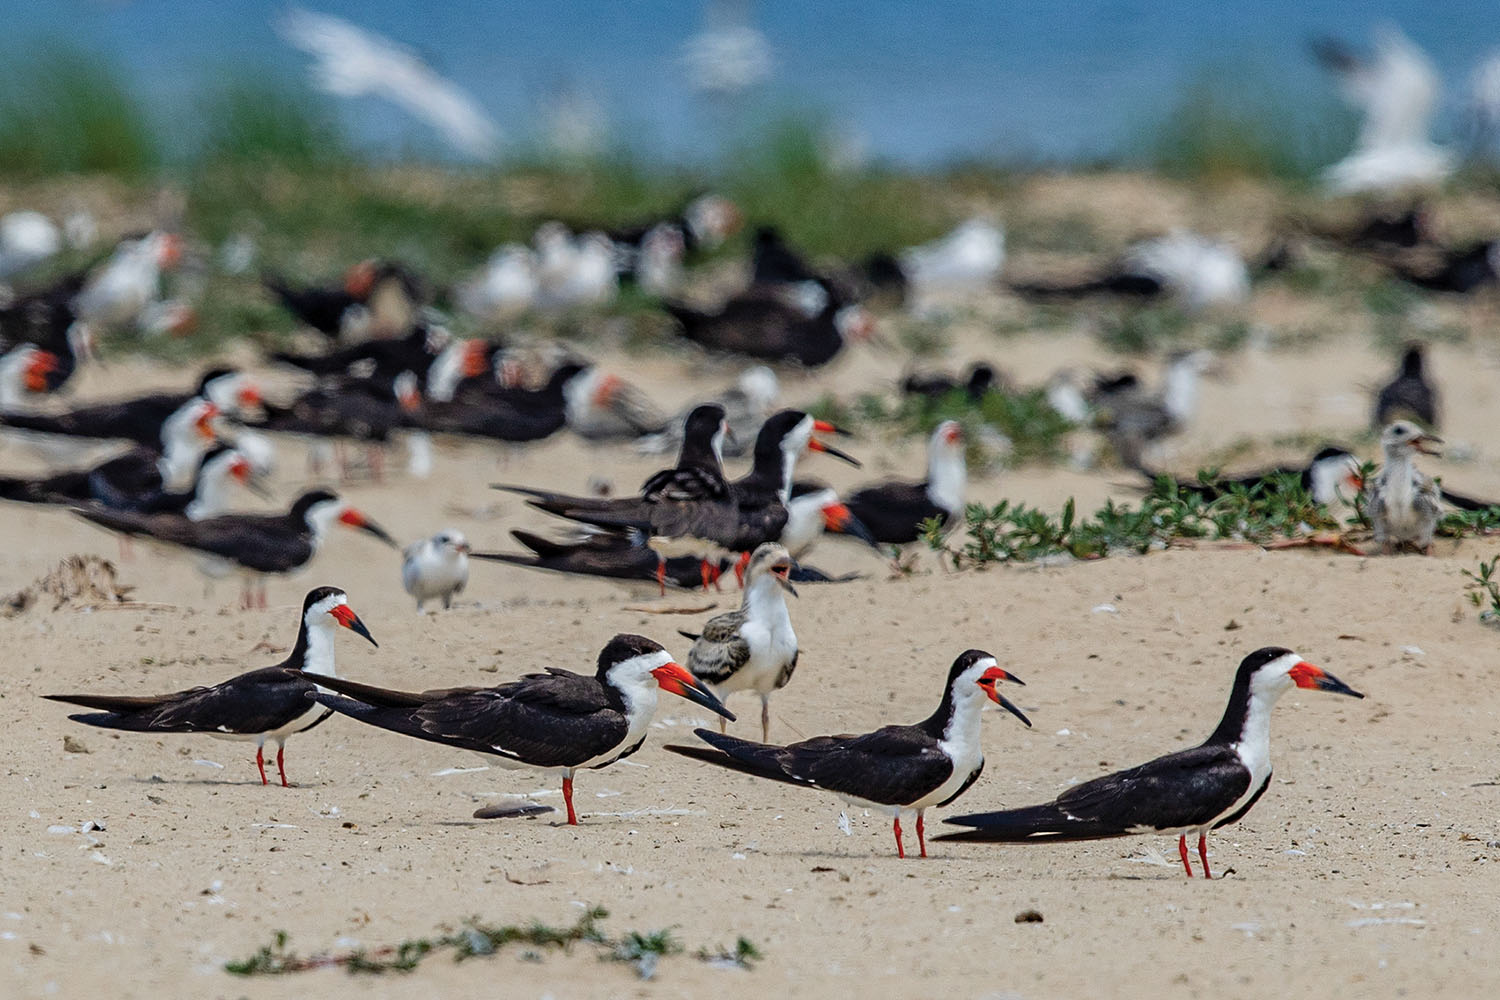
754,648
558,722
759,325
1326,478
893,770
1134,420
894,512
272,703
605,554
1190,791
436,568
1403,503
1409,395
255,544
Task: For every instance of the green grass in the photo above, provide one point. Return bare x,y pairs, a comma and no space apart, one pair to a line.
254,121
1230,121
62,111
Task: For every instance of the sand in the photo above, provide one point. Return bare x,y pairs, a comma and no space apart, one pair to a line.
1366,870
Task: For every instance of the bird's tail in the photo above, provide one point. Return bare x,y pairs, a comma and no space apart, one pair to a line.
746,756
1031,823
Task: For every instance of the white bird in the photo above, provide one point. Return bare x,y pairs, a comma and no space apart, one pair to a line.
1484,101
1403,507
353,62
118,294
505,286
1199,272
26,240
968,257
436,567
754,648
1397,90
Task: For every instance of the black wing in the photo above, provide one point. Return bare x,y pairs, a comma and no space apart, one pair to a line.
255,702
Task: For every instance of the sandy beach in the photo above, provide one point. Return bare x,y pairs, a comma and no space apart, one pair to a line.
1366,870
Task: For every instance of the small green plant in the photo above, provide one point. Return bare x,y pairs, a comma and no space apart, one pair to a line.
1484,586
475,940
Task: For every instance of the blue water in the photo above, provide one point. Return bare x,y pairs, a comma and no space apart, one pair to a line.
917,82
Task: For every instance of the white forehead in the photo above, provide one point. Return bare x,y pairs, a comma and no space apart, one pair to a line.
328,603
640,665
1274,674
976,671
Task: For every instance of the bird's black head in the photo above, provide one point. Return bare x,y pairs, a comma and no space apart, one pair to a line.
703,422
213,374
1329,451
623,647
981,379
767,236
1411,361
306,501
565,373
318,594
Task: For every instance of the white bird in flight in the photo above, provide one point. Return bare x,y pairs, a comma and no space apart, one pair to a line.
353,62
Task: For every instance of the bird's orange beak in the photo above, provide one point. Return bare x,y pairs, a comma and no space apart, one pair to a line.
360,279
42,364
1305,675
356,519
171,252
240,470
345,616
249,395
674,679
607,390
474,360
205,422
987,681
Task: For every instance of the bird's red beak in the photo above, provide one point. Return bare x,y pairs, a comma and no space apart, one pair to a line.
205,422
360,279
345,616
835,517
1305,675
171,251
356,519
608,388
474,361
241,471
42,364
987,681
674,679
813,444
953,435
249,395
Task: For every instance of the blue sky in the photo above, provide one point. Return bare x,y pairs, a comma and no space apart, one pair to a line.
917,82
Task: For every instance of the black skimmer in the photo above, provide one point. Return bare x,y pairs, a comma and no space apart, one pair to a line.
556,722
813,510
380,358
754,648
436,568
25,371
893,770
704,224
364,410
1403,502
377,298
255,544
713,527
1190,791
271,703
132,482
1197,271
49,323
766,326
1326,477
980,381
1409,395
605,554
1460,270
516,414
773,262
894,512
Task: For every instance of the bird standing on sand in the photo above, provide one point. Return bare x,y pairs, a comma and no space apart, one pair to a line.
1408,396
894,512
893,770
754,648
267,704
436,568
556,722
1403,507
1190,791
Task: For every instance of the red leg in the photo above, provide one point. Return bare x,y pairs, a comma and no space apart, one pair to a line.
568,798
703,572
1182,849
896,825
739,568
661,576
921,834
260,762
281,764
1203,853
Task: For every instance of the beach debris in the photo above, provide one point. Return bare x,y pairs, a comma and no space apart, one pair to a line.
79,581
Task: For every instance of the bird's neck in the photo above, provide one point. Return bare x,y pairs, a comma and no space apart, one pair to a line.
764,600
210,498
947,478
315,649
956,722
